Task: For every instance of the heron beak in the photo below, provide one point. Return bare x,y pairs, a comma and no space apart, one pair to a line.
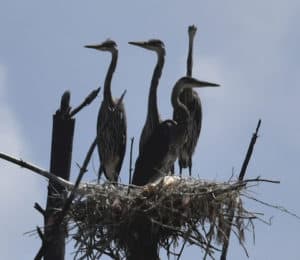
200,83
140,44
97,47
207,84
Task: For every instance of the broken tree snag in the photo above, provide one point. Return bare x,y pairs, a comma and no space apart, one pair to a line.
249,152
88,100
60,164
241,178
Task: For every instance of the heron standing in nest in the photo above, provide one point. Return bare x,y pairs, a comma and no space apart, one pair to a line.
111,122
191,100
163,146
153,117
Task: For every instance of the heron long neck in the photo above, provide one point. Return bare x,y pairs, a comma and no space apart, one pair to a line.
177,105
188,92
107,84
152,101
189,64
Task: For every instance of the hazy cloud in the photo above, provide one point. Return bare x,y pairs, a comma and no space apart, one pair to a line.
19,189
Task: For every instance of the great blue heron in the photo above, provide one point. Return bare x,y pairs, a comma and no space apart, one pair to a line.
153,118
162,148
191,100
111,122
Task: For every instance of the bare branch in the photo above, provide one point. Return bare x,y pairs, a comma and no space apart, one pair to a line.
89,99
278,207
40,233
249,152
39,208
37,170
40,254
241,177
258,179
130,161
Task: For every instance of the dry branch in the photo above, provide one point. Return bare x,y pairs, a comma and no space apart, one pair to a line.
241,177
130,160
37,170
88,100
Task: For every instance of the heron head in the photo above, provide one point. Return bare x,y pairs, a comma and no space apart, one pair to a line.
186,83
153,45
108,45
189,82
192,30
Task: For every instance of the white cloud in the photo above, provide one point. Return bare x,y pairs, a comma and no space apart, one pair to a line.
19,189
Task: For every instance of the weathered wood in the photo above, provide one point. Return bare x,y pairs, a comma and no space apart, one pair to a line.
68,201
37,170
88,100
60,165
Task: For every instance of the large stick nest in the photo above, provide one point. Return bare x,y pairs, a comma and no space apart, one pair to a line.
103,218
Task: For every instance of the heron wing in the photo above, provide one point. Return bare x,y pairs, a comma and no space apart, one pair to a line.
152,161
122,135
195,109
193,130
111,129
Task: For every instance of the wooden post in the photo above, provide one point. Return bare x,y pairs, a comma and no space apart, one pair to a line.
53,239
60,164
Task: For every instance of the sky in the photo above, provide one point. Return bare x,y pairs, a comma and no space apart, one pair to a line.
249,47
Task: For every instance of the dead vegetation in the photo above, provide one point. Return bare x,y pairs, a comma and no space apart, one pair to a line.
102,217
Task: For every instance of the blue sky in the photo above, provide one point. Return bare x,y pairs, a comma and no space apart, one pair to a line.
250,48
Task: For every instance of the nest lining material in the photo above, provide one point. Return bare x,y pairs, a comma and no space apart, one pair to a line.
102,217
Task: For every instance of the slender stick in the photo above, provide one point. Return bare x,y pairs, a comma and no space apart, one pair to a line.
40,254
40,233
241,177
88,100
258,179
130,161
37,170
39,208
249,152
181,250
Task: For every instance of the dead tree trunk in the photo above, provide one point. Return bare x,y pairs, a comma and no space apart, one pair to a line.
53,238
60,164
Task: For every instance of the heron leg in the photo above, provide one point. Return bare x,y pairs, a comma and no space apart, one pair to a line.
180,168
116,178
172,169
99,173
190,166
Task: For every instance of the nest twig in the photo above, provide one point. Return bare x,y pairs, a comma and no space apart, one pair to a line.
102,217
